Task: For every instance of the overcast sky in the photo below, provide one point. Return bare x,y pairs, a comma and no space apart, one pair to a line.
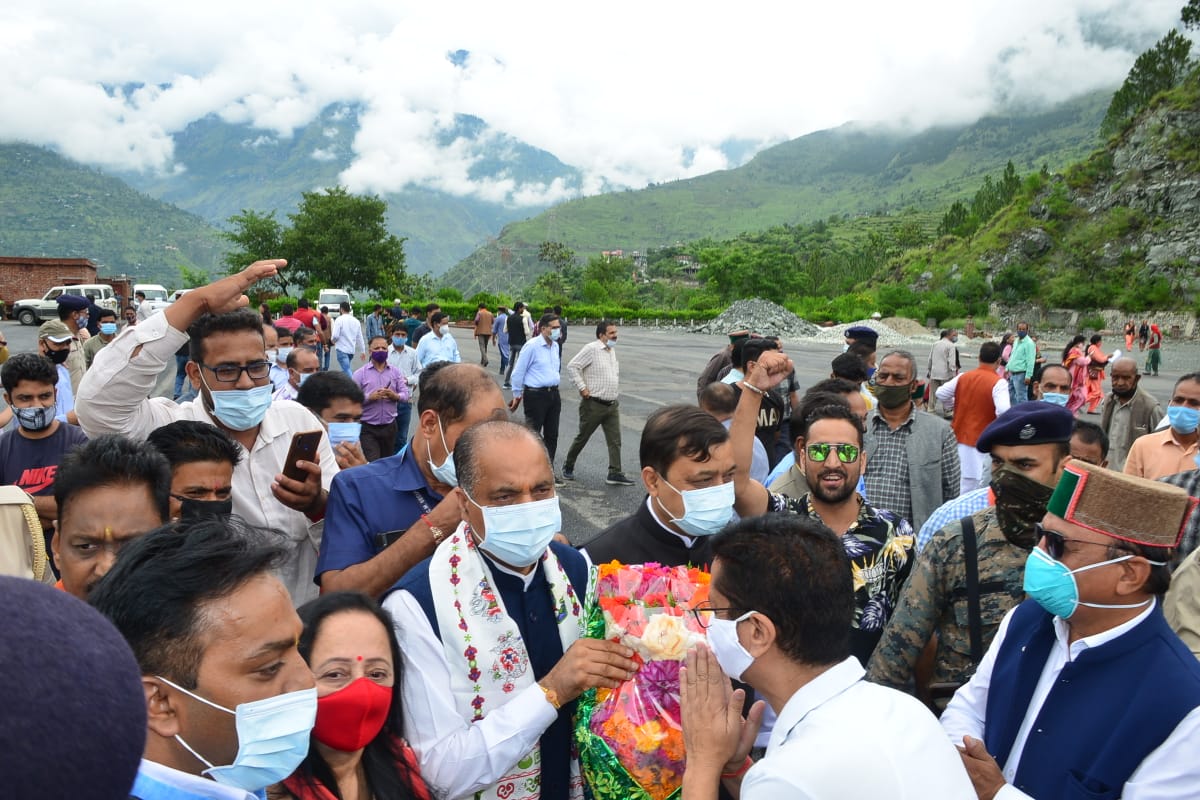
627,92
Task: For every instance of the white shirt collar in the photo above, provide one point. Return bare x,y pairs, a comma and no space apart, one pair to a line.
815,693
1062,631
687,540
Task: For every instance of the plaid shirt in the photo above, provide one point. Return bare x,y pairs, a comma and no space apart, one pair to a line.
595,368
887,470
880,547
1190,482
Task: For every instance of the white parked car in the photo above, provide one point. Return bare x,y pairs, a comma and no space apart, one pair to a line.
33,311
156,295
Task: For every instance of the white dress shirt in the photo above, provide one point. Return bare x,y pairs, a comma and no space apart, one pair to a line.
537,366
841,737
347,335
433,348
457,757
112,399
1172,770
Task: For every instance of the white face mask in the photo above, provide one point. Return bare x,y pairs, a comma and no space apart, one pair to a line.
705,511
519,534
727,648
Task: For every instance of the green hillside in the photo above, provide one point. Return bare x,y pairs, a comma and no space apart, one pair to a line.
850,170
50,206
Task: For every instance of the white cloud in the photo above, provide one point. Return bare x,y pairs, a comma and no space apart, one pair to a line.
628,93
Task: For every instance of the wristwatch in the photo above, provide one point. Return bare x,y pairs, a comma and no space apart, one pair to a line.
551,696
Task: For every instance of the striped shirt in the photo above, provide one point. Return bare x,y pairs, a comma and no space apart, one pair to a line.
595,368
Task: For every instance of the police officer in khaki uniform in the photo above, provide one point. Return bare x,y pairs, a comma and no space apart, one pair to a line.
1029,446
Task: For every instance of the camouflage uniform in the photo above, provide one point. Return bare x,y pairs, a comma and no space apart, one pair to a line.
935,599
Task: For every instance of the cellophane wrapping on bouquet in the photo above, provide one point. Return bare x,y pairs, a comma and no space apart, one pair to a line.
630,739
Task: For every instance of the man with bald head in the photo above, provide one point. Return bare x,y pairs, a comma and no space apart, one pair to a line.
490,627
383,518
1130,412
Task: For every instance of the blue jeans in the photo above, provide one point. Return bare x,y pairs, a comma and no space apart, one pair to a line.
180,374
403,415
1018,391
344,360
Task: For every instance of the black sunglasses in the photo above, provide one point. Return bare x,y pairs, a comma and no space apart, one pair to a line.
1056,542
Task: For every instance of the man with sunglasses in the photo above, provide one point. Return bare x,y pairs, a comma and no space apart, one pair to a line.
829,438
230,370
970,573
1086,691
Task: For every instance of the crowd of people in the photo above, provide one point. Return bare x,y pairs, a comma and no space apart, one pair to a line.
276,591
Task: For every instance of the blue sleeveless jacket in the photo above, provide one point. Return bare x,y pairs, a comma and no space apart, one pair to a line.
1107,710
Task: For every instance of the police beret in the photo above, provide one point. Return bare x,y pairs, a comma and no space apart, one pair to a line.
74,710
1034,422
861,333
72,301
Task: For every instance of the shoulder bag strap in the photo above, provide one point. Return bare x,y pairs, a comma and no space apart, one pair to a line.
971,562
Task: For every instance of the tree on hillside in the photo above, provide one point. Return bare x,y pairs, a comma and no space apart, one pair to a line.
557,255
1158,69
194,278
257,236
340,239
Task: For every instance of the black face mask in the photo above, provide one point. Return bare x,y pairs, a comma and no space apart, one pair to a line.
191,508
57,356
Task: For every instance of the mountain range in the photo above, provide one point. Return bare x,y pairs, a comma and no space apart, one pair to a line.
52,206
851,170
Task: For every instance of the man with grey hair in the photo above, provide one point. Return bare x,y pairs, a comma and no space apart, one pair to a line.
912,456
491,627
1130,412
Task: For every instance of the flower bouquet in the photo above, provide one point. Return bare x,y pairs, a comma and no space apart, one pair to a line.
630,740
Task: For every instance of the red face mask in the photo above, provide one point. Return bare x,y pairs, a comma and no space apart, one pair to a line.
351,717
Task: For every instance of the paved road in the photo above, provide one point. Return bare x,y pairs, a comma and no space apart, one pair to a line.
659,367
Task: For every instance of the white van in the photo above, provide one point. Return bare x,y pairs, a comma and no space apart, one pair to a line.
332,299
156,296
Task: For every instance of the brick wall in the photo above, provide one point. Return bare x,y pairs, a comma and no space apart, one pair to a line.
22,278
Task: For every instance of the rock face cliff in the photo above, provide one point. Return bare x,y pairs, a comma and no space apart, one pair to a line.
1121,229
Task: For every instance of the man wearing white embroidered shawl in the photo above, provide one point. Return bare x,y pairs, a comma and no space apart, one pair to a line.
490,629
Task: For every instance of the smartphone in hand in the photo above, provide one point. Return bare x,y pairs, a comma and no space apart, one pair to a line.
303,448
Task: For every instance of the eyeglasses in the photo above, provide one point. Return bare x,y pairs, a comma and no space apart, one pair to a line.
1056,542
232,373
704,612
846,453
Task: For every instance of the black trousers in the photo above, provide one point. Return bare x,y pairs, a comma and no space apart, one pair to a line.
378,441
542,407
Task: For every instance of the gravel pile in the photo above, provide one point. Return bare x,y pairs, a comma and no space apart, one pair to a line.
759,316
905,326
888,337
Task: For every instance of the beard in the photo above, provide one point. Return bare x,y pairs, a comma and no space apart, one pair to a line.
829,495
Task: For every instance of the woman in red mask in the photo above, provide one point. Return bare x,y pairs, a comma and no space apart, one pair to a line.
356,751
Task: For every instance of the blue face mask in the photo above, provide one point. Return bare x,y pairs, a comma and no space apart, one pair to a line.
108,328
444,472
305,376
555,334
518,535
1183,419
343,431
82,321
283,353
705,511
1055,398
240,409
1022,334
1053,586
399,341
273,736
